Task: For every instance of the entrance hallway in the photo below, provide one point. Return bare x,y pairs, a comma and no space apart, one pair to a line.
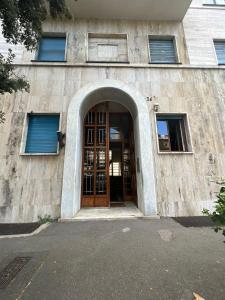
128,210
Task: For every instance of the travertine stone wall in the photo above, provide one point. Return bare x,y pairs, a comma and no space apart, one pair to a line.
202,24
31,186
110,47
77,35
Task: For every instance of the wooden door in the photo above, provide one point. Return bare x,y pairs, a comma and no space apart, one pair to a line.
95,170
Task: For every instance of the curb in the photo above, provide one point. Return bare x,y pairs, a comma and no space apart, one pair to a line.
35,232
84,219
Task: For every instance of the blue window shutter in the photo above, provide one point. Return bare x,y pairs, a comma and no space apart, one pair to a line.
42,134
220,51
162,51
52,49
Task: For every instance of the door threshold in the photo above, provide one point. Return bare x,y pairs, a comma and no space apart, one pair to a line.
127,211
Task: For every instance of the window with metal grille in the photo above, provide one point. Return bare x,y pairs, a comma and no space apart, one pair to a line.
162,50
220,51
42,133
52,48
172,133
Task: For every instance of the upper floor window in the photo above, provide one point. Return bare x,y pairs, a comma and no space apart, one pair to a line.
107,48
42,134
162,50
173,135
220,51
52,48
214,2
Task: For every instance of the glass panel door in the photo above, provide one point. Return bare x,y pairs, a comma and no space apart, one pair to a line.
95,187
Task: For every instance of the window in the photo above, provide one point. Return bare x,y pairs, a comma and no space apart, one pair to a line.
214,2
220,51
162,50
115,134
42,133
52,49
172,133
107,48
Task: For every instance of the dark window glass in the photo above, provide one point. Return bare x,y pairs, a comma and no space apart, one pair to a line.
171,134
115,134
52,49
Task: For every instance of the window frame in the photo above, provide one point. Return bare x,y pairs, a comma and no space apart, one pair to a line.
164,37
52,35
184,115
25,132
214,4
114,35
214,47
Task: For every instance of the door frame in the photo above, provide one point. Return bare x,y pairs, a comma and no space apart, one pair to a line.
96,200
85,98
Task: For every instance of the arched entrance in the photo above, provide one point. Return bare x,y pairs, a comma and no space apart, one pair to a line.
135,103
108,167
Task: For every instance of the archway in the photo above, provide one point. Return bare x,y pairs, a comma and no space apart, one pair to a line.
87,97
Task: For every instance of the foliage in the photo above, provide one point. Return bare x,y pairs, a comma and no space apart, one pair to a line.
9,81
21,22
218,216
45,219
22,19
2,117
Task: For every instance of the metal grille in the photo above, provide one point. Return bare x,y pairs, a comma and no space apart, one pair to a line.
89,136
101,184
88,182
90,118
101,159
11,270
101,136
89,159
101,118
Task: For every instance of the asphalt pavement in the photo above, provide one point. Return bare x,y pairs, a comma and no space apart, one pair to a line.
117,260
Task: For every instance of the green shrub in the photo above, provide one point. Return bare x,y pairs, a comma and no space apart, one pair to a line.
45,219
218,215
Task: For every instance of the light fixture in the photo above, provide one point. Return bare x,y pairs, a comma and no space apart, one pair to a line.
156,107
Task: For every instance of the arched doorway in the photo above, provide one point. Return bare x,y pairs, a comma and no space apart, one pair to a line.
86,98
108,167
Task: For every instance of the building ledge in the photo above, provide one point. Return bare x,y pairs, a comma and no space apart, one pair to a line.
155,10
119,65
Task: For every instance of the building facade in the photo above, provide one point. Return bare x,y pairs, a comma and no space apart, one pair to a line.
125,104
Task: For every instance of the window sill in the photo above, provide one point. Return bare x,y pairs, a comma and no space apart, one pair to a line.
214,5
39,154
175,152
107,62
48,61
165,63
222,64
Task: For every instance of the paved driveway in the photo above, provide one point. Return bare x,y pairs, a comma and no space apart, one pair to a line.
119,260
